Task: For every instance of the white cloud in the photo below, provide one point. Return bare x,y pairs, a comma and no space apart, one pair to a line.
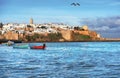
71,20
102,28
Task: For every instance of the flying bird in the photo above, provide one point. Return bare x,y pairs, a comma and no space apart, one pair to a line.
78,4
75,4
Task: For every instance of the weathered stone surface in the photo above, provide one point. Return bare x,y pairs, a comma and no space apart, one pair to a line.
11,35
67,34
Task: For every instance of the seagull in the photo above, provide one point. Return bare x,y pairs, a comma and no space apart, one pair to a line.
75,4
78,4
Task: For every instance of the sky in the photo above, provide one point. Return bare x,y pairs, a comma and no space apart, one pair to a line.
102,16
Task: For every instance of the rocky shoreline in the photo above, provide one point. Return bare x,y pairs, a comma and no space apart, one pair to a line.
18,41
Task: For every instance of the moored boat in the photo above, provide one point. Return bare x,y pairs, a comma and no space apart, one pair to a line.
9,43
38,47
21,46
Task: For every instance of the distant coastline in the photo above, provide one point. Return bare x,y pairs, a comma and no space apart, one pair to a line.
49,32
78,41
18,41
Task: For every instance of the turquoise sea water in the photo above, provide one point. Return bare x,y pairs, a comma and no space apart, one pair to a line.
62,60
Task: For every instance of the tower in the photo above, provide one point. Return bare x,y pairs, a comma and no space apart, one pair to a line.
31,21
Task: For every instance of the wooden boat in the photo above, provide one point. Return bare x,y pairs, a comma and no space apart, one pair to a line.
21,46
38,47
9,43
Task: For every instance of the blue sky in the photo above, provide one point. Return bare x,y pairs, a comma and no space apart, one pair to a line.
90,12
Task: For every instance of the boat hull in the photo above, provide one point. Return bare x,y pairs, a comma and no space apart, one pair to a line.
21,46
37,47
